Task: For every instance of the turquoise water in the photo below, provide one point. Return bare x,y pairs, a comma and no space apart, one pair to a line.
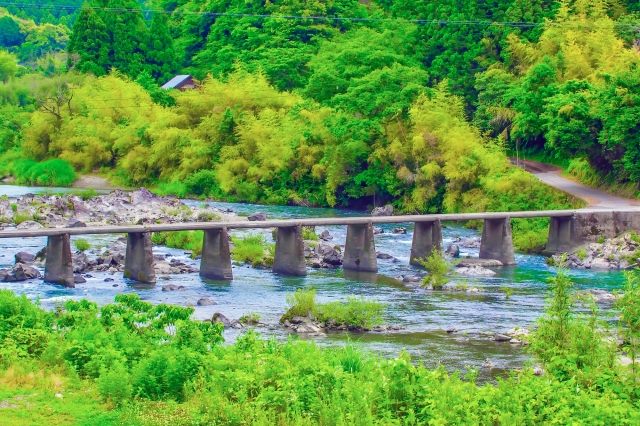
423,315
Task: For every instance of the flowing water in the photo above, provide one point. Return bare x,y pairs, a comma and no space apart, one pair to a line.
423,315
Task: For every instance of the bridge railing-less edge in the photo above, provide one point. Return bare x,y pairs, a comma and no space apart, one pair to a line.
568,229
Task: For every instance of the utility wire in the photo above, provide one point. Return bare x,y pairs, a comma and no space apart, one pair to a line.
514,24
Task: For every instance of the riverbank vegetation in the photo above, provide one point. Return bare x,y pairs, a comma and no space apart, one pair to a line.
134,363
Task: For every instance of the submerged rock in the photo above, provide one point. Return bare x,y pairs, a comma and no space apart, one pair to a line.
206,301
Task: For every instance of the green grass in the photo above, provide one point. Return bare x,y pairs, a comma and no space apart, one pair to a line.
253,249
20,217
185,240
357,313
82,245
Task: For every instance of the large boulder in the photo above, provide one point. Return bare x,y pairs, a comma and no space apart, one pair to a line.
329,254
24,257
20,272
383,211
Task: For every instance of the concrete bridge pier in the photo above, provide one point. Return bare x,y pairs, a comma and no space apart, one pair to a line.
360,249
427,236
562,235
216,256
138,264
58,267
497,242
289,257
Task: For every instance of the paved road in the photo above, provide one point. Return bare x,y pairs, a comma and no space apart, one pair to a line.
594,197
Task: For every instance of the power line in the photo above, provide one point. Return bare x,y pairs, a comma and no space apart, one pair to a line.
514,24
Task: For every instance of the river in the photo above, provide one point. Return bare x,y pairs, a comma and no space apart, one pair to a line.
423,315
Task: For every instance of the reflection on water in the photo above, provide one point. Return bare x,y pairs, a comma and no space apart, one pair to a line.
423,315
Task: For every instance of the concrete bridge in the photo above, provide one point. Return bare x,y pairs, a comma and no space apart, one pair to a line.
567,230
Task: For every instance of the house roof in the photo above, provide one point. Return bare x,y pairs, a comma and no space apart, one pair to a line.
176,81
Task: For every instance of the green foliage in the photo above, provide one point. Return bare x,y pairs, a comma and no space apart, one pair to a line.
629,306
156,366
252,318
253,249
309,234
437,269
54,172
354,313
8,65
82,245
571,346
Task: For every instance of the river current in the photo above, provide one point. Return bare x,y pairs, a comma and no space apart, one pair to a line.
424,316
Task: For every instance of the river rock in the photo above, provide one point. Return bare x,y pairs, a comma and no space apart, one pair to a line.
226,322
468,242
29,224
79,279
20,272
386,210
475,271
75,223
206,301
24,257
453,250
400,230
329,254
410,278
258,217
473,261
377,230
325,236
501,337
172,287
384,256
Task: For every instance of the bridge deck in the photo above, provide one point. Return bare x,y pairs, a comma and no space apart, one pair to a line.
244,224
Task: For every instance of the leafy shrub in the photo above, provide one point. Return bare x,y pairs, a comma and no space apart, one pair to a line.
251,318
82,245
86,194
437,268
253,249
302,303
20,217
629,306
309,234
570,346
54,172
114,384
202,183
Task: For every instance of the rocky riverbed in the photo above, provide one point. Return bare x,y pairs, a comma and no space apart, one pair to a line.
622,252
32,211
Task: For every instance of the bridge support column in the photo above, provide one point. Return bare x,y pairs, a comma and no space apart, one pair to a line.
138,264
497,242
360,249
289,257
58,267
427,236
562,235
216,256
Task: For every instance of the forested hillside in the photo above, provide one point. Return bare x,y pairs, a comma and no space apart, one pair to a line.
327,103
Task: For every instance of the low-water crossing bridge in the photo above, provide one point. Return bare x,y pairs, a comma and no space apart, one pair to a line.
567,230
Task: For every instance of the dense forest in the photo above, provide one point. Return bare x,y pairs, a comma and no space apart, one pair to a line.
341,103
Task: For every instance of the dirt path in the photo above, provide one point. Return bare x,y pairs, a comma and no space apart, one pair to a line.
552,176
93,182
